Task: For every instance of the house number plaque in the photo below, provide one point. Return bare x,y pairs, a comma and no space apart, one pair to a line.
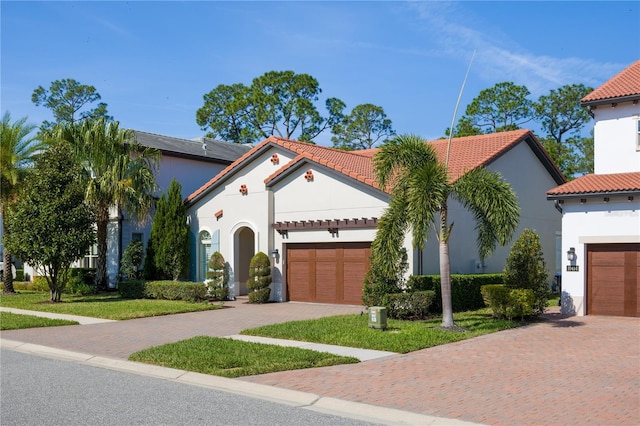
573,268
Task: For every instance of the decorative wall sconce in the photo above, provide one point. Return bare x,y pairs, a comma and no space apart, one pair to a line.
308,175
630,198
275,253
606,199
243,189
275,159
571,254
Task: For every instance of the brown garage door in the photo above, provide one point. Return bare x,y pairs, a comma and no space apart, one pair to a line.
327,272
613,279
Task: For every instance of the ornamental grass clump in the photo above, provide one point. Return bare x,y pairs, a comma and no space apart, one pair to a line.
259,278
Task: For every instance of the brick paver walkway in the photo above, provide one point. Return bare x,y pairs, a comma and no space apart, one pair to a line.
579,370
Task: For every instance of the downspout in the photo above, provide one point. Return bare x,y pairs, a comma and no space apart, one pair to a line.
558,205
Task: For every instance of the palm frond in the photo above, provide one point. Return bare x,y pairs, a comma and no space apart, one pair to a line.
493,204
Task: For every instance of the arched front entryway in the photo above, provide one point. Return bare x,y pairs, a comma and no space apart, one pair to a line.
244,249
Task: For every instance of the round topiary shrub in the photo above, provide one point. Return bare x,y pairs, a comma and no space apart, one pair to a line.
259,278
217,277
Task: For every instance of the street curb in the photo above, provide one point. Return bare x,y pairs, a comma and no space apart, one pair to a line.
309,401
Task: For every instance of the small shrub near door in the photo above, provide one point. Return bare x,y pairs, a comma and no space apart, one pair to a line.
218,277
508,303
259,278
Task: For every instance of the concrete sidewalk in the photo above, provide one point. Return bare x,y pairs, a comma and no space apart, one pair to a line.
79,319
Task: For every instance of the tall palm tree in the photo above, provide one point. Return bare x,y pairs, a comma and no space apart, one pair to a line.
17,151
120,173
420,189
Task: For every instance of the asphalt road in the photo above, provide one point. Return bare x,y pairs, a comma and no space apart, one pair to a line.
36,390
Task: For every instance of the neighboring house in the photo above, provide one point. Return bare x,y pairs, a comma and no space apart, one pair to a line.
190,162
314,210
601,211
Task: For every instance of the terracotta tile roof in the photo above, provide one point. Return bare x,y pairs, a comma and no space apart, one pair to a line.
355,166
470,152
626,83
466,154
598,184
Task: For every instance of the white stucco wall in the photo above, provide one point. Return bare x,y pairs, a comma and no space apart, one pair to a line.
330,195
530,181
253,210
594,222
616,136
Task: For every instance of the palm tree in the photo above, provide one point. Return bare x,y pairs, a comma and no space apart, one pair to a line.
420,188
17,151
120,173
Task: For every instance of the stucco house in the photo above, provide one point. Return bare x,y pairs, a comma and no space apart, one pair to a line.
190,162
601,211
314,210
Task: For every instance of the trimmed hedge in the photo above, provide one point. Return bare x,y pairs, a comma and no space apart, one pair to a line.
176,290
19,275
508,303
132,289
409,306
167,290
465,289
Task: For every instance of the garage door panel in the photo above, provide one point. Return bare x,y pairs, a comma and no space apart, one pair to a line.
613,284
335,272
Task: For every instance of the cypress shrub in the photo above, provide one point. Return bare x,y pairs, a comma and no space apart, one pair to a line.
217,277
526,269
259,278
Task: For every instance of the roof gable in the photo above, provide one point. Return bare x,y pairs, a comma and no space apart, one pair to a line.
625,85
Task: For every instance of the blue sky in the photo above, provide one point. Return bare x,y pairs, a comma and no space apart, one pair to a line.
153,61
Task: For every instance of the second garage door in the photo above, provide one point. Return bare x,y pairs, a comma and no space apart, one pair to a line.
327,272
613,279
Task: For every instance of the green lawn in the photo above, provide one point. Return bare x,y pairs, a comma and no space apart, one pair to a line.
233,358
400,336
107,306
9,321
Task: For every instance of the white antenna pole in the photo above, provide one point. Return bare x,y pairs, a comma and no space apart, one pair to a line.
455,112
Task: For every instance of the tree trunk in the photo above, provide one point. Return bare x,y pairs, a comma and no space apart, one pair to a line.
7,275
102,222
445,286
445,269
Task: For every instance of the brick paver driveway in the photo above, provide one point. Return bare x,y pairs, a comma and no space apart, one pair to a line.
574,371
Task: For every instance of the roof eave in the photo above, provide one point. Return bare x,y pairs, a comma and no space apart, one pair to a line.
605,101
567,196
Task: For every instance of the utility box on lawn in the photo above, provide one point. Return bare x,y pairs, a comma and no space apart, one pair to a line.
378,317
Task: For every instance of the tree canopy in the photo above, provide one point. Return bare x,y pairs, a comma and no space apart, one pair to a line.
280,103
500,108
560,115
17,151
68,99
363,128
120,172
50,226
